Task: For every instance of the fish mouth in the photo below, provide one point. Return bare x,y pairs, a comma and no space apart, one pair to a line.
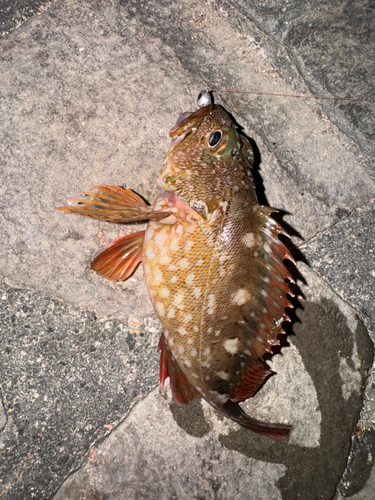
187,121
183,116
180,119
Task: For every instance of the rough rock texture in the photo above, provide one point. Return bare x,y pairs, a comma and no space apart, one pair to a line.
89,90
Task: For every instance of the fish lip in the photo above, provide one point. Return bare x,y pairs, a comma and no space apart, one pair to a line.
185,119
180,119
183,116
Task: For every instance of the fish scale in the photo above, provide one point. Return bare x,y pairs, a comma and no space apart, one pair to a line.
213,264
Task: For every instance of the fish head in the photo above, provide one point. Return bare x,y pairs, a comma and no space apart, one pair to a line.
208,160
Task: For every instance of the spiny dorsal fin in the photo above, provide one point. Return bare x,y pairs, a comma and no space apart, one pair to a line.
262,319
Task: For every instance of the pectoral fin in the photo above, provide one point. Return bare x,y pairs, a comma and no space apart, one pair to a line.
113,204
119,260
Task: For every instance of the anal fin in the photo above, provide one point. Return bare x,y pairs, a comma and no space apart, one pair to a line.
119,260
182,390
113,204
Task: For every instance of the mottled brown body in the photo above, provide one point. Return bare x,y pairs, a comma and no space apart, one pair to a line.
218,311
213,264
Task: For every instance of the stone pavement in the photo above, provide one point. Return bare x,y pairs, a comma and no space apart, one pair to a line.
89,90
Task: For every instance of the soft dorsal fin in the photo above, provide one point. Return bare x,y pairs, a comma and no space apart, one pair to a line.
182,390
252,378
120,258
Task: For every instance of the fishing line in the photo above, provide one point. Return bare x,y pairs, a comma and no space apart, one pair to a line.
204,97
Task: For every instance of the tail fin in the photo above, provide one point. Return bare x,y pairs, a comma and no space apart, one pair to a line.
275,431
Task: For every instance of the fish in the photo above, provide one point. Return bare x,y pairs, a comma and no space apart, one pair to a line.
213,263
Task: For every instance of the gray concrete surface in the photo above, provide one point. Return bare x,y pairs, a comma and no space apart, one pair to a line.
88,93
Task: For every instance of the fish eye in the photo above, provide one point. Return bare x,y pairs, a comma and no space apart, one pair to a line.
215,138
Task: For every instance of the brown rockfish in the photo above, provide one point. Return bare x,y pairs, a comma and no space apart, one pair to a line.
213,264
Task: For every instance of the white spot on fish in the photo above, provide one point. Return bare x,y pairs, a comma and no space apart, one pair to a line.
189,245
180,349
279,322
223,375
174,279
157,277
182,330
207,351
164,292
164,259
241,297
187,363
224,258
157,207
231,345
221,398
217,333
149,253
196,329
160,239
172,268
174,246
179,229
171,313
197,292
178,300
193,353
189,278
248,239
199,262
184,263
159,308
195,375
187,318
211,304
222,271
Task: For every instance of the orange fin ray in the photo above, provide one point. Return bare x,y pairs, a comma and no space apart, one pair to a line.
275,431
119,260
113,204
182,390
